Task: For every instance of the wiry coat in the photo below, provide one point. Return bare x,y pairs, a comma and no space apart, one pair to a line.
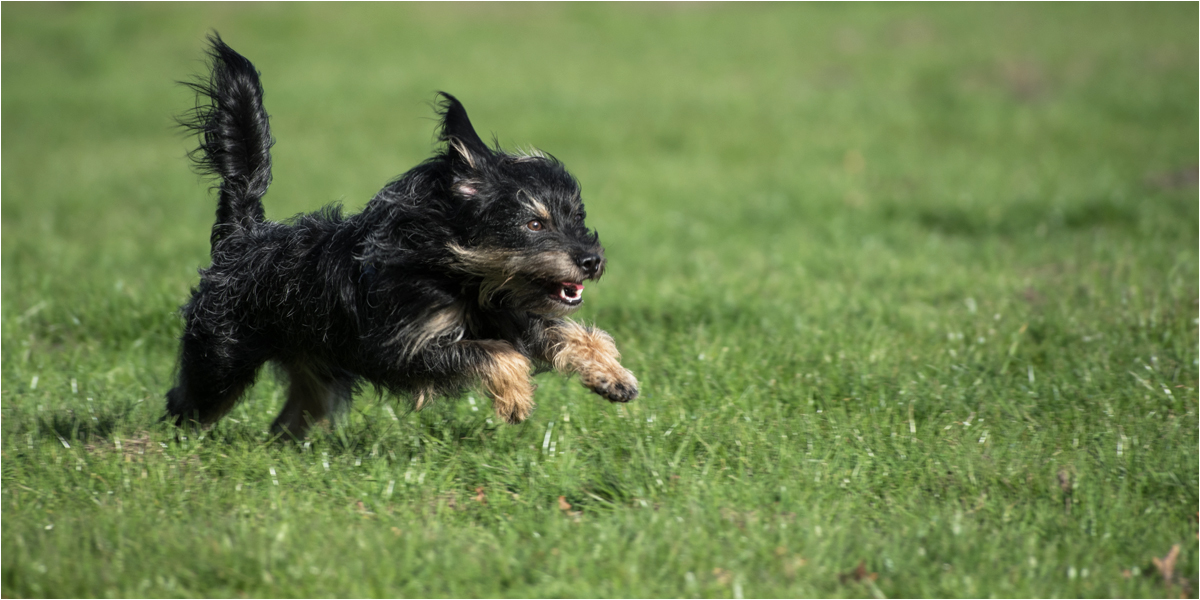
461,270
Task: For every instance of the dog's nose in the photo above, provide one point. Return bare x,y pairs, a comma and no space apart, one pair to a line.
590,263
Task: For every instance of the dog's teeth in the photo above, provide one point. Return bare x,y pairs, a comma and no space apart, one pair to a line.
570,292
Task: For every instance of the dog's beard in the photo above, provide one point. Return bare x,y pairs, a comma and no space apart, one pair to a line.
553,299
544,282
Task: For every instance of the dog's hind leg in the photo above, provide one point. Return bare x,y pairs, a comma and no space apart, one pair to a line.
212,378
312,396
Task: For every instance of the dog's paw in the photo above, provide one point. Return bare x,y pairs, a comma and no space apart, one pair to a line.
514,411
617,384
506,376
514,402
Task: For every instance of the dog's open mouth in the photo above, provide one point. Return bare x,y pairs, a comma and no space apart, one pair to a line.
567,292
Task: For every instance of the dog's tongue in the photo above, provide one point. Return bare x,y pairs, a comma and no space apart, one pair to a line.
571,291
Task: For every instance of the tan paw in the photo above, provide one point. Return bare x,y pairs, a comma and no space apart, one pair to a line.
514,409
616,383
507,380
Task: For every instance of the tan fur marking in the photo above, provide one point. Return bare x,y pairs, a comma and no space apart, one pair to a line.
498,267
462,150
445,322
493,266
482,261
536,207
442,322
593,354
506,377
527,154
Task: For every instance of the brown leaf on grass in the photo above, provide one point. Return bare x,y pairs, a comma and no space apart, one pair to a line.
1064,480
1064,483
860,573
792,566
790,563
134,448
565,507
1185,589
480,497
1175,180
723,576
1032,296
1166,570
738,518
1026,81
1166,565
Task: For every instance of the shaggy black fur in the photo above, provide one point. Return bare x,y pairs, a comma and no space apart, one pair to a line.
461,270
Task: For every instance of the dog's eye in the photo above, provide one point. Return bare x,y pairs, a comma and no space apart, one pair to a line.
535,225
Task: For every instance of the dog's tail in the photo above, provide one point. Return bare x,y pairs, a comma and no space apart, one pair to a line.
235,137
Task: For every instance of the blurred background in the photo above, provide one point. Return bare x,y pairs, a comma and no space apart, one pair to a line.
707,136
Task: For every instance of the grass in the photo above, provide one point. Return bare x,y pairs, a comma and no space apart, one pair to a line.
909,287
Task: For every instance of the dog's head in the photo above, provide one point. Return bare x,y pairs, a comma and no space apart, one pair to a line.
520,222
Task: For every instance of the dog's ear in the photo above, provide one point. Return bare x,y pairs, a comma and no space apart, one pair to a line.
460,137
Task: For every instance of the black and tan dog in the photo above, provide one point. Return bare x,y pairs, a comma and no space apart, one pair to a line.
463,270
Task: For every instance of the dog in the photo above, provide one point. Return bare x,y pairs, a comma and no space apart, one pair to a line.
459,272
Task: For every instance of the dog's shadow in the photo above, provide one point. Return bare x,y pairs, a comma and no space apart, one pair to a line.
72,425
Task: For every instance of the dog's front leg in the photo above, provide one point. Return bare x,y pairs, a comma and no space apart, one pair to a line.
505,374
503,370
573,348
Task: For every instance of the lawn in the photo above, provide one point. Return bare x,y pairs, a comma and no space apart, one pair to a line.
911,290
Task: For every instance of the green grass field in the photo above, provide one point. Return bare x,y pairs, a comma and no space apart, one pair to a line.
911,290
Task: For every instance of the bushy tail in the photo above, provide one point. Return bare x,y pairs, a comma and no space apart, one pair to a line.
235,137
